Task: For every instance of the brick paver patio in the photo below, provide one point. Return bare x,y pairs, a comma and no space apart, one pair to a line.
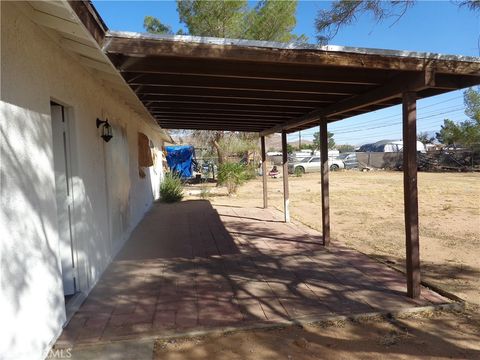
189,266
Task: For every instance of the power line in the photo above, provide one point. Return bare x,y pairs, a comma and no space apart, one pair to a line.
360,126
393,133
393,124
419,109
441,102
399,115
421,124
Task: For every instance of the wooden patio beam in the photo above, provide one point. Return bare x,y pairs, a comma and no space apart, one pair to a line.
409,109
232,124
264,171
236,50
224,108
394,89
197,126
160,92
144,70
286,195
325,169
249,105
184,122
221,114
220,118
453,82
179,126
246,84
263,122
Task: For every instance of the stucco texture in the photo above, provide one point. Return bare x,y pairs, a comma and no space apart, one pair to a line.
109,196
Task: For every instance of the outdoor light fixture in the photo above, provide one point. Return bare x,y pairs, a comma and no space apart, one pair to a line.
106,129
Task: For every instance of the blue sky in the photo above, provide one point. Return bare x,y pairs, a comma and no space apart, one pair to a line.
433,26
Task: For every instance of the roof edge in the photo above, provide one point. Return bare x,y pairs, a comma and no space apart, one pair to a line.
90,18
291,46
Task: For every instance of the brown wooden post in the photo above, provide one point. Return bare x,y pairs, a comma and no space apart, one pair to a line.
286,210
264,172
324,171
411,193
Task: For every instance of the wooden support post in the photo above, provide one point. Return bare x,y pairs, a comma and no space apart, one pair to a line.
264,172
286,210
411,193
324,171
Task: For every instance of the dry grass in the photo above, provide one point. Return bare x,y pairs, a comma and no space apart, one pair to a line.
367,214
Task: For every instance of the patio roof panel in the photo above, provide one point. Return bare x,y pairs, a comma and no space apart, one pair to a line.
188,82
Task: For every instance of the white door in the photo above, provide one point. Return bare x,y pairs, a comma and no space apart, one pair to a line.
315,164
63,185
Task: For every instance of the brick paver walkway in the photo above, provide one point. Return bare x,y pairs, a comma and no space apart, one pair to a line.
189,266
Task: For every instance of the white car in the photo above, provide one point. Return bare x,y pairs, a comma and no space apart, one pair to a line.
312,164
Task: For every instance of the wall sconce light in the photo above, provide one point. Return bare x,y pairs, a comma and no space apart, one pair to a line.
106,129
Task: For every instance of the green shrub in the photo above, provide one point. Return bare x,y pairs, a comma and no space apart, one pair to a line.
171,189
232,175
250,171
298,172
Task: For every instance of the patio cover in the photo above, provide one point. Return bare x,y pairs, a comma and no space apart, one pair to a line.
189,82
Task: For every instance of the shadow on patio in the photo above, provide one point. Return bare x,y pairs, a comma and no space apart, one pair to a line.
189,267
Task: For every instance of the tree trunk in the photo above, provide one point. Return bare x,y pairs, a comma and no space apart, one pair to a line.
216,145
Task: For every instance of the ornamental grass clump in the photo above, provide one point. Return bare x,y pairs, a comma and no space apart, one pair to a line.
298,172
171,189
232,175
250,171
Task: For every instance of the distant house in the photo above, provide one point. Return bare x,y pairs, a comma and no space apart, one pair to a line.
384,154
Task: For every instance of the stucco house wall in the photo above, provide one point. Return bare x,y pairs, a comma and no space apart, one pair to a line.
109,196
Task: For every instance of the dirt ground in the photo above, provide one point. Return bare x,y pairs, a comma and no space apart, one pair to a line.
367,214
429,336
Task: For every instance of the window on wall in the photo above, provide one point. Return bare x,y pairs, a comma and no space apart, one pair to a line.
145,158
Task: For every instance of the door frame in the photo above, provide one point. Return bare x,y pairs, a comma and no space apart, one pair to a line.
67,112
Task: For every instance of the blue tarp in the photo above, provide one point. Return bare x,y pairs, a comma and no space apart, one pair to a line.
180,159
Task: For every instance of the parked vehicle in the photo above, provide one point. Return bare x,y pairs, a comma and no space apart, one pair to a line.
302,154
312,164
349,160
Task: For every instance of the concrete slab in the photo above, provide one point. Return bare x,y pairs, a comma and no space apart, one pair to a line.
190,267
